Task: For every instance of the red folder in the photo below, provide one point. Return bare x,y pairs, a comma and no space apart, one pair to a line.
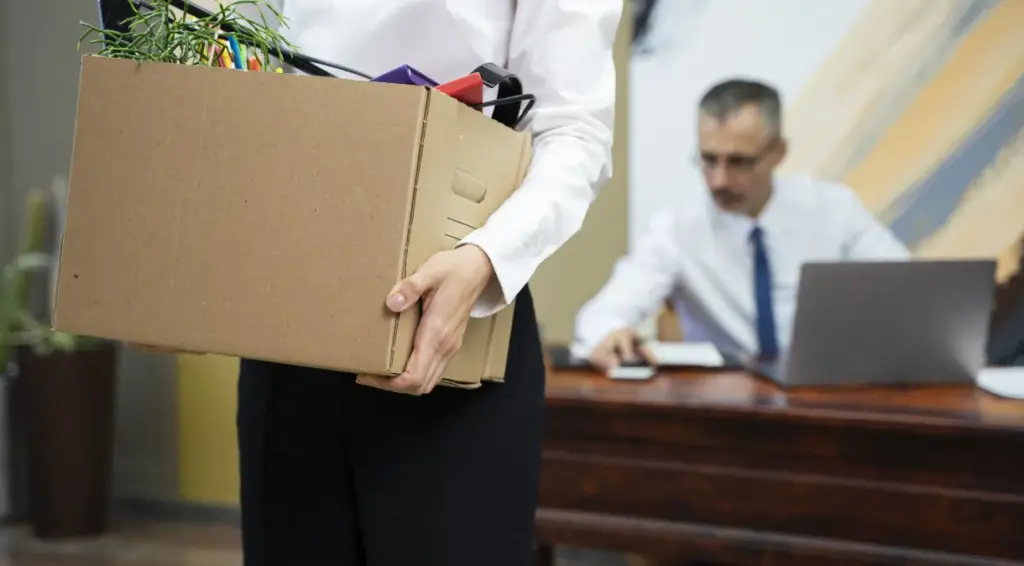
467,90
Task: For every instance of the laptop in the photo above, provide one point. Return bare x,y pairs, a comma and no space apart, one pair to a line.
888,323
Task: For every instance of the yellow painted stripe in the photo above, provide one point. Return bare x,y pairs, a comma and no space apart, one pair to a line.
207,445
1008,262
984,66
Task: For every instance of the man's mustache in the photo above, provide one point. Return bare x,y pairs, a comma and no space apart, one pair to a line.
727,195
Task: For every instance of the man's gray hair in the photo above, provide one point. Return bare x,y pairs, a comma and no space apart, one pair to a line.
726,98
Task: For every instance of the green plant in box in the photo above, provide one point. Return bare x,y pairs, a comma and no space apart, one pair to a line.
164,34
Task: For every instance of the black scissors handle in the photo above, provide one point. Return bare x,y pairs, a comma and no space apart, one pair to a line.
508,106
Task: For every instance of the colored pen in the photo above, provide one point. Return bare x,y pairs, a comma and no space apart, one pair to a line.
225,54
236,51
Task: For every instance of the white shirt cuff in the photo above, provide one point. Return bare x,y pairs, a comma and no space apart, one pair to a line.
510,276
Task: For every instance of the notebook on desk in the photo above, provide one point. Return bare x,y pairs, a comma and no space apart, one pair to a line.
686,354
669,355
1005,382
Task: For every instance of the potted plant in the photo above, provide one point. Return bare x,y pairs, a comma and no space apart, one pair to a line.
66,392
14,298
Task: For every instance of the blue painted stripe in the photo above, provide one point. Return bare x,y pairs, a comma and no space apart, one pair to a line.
924,208
917,75
971,14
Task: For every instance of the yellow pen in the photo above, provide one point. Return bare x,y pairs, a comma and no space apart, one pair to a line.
225,54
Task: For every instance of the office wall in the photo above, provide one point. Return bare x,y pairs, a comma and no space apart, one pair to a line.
39,74
6,193
915,104
576,271
206,384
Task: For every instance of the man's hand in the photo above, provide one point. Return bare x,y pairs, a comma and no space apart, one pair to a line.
619,347
449,283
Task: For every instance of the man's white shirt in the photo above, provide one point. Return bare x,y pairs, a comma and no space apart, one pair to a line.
701,260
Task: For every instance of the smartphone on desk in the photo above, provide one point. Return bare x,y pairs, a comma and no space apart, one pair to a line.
633,370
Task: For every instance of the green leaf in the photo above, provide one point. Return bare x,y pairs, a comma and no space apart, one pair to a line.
30,262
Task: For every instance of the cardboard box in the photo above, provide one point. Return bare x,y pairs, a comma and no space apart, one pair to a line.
267,216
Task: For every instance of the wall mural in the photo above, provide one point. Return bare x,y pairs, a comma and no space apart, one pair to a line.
918,105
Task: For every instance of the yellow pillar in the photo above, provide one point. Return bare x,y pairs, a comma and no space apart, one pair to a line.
207,447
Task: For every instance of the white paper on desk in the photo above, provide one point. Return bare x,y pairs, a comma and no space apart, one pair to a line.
1004,382
697,354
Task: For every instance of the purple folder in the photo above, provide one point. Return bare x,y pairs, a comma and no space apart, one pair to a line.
406,75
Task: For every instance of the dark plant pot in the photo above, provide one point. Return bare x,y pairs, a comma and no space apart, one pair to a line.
69,412
15,446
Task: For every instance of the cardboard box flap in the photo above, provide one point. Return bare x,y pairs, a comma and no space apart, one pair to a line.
469,165
491,164
425,235
497,351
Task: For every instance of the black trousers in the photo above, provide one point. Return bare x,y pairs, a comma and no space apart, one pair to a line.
339,474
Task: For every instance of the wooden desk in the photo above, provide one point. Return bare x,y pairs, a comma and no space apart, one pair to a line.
726,466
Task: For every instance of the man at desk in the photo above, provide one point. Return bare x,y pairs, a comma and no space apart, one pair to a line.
731,267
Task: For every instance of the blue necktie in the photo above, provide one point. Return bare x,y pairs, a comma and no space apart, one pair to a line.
766,338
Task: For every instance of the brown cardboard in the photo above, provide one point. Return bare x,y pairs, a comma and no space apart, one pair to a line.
266,216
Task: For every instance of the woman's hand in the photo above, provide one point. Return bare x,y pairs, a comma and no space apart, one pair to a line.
449,283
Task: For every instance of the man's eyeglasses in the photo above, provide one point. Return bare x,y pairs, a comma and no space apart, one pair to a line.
734,162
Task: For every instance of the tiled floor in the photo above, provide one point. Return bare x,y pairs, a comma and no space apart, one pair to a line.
136,543
148,543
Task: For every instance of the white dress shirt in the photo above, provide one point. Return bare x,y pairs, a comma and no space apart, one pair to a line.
561,50
702,260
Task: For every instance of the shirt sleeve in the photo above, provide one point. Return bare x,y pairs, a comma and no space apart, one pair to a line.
562,51
866,238
639,284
